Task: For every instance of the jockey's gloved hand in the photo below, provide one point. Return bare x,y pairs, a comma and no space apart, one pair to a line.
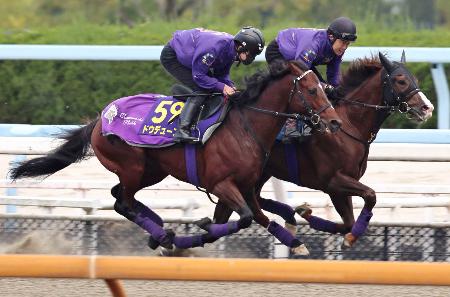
332,92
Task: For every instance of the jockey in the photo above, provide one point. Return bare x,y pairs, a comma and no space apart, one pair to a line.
201,59
314,47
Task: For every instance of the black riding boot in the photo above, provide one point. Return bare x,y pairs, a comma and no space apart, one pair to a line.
190,110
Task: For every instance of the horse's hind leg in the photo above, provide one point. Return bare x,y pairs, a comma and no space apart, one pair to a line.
129,164
230,195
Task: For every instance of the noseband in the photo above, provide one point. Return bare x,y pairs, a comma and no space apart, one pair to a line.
392,100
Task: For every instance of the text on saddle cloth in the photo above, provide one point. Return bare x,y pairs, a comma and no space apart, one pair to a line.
150,120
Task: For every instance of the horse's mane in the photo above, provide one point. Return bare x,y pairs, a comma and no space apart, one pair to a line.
257,82
359,71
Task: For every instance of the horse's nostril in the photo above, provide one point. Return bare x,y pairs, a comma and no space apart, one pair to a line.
427,108
335,125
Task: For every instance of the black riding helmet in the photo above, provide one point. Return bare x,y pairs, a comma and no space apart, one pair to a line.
252,40
343,28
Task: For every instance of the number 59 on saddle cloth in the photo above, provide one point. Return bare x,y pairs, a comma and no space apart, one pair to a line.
150,120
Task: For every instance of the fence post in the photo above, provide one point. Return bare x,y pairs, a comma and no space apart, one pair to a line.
13,191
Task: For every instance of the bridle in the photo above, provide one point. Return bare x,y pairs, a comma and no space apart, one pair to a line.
312,116
393,101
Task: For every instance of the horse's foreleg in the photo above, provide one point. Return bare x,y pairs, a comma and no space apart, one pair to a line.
344,207
283,210
282,234
349,186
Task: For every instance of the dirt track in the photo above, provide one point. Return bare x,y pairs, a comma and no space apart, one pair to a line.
94,288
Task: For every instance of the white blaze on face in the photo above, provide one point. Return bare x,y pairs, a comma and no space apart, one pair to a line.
429,111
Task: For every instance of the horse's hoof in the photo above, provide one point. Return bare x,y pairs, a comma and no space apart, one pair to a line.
167,241
153,243
301,250
163,252
304,210
348,242
204,223
291,228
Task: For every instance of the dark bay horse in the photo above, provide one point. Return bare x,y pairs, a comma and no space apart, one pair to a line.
373,88
228,165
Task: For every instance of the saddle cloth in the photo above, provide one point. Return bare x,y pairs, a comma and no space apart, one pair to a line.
150,120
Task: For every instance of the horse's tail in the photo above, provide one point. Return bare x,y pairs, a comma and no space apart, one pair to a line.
74,149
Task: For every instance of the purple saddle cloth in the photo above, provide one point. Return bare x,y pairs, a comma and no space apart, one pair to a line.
150,120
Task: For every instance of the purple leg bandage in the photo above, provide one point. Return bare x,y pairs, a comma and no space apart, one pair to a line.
155,230
185,242
219,230
144,211
322,225
283,235
362,222
278,208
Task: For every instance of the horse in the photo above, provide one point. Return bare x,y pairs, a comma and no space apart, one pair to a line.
372,89
228,165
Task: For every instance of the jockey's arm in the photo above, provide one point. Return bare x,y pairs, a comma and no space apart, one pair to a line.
333,71
224,76
200,68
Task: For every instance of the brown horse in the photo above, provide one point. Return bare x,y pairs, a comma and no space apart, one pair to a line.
334,165
228,165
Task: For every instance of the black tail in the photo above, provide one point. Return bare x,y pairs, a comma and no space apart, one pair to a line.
74,149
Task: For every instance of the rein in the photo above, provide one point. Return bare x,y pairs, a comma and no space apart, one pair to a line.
312,116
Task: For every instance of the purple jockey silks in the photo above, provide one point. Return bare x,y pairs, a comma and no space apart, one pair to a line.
362,222
202,50
147,120
312,47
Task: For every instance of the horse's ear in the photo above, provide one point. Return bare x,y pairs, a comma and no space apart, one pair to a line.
294,68
403,59
297,67
388,65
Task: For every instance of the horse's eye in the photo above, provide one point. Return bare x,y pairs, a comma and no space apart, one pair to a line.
402,82
312,91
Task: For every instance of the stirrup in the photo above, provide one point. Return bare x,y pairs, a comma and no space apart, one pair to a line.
183,136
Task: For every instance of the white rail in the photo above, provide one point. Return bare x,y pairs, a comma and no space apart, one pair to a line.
378,151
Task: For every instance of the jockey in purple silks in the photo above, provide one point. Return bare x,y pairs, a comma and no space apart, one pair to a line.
314,47
201,59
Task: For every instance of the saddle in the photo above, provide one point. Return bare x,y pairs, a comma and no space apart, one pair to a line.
149,120
210,105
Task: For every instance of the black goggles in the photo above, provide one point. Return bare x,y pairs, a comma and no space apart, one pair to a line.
347,36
